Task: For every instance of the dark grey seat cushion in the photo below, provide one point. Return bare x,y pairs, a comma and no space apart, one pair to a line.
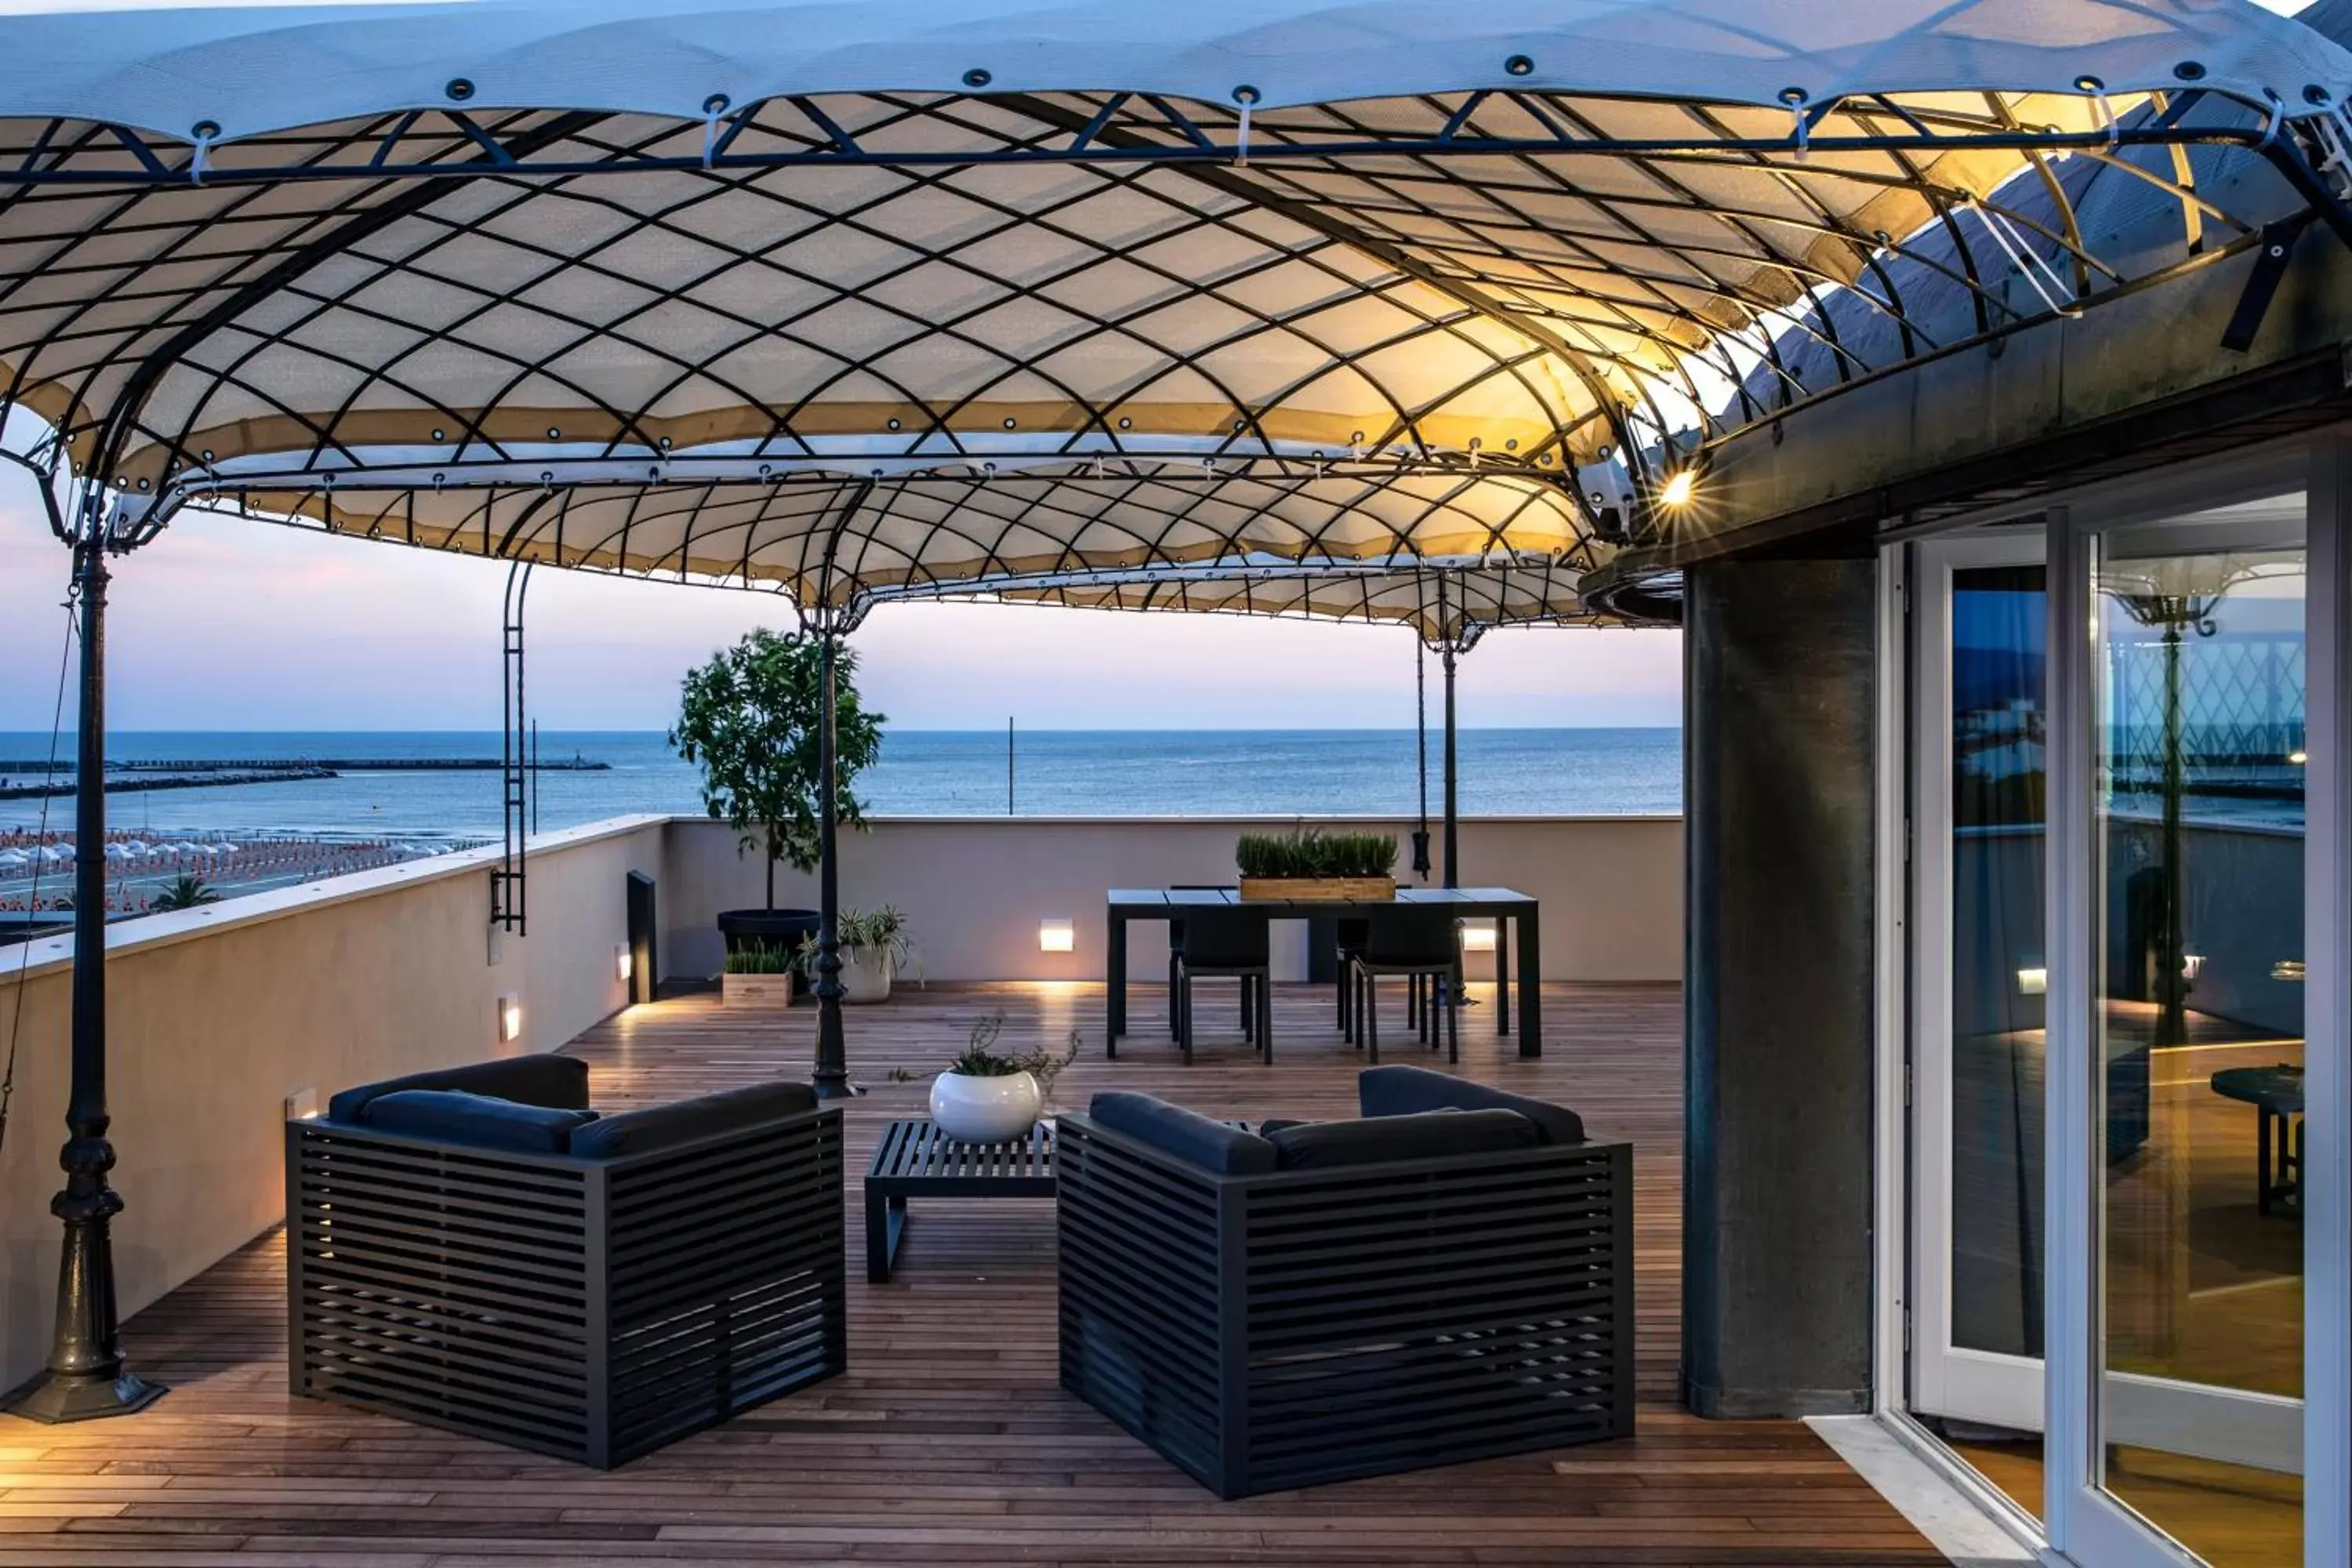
1404,1090
480,1120
1187,1134
1384,1140
541,1079
683,1121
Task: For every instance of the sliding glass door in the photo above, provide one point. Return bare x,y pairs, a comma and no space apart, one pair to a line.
2197,749
2125,904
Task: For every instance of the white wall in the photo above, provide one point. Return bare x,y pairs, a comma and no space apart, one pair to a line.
216,1015
1610,889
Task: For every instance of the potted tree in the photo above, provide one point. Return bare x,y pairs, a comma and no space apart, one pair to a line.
1313,864
751,720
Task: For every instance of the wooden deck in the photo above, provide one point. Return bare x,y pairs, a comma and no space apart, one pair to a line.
949,1442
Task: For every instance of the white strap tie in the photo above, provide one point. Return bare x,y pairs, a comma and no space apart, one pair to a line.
2028,261
1241,148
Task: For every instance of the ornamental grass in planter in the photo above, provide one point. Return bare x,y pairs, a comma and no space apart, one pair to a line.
1313,864
759,975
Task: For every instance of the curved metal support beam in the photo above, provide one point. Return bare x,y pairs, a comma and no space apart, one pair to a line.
114,439
1241,187
1092,141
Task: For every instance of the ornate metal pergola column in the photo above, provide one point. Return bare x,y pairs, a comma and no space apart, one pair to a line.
87,1377
832,1079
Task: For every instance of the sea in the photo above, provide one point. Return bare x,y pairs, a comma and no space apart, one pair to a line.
922,773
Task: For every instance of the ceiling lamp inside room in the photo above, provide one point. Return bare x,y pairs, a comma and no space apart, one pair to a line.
837,299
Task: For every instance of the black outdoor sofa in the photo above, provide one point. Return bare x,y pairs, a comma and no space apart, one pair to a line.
476,1249
1449,1279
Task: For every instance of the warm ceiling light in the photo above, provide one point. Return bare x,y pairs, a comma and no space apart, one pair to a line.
1681,486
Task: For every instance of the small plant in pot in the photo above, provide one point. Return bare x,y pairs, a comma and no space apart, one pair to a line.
876,946
987,1096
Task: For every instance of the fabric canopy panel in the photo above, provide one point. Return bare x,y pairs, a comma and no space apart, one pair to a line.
832,541
648,291
1446,605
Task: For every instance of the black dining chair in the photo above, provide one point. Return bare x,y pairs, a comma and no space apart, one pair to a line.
1226,944
1346,942
1176,941
1425,947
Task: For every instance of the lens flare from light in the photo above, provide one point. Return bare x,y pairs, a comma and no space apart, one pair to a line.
1680,488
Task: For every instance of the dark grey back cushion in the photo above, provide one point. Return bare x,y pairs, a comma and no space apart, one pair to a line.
480,1120
541,1079
683,1121
1187,1134
1383,1140
1404,1090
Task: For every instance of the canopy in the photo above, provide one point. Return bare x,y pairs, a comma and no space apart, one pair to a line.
260,68
835,298
1447,602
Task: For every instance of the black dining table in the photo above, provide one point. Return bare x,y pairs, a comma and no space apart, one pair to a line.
1512,912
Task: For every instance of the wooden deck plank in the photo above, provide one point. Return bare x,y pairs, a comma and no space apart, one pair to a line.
948,1441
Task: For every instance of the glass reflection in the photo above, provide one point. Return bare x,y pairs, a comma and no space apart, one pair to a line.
1999,631
2199,751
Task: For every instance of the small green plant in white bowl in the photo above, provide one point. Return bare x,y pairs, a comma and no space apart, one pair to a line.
986,1096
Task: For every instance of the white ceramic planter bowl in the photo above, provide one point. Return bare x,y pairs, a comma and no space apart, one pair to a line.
986,1109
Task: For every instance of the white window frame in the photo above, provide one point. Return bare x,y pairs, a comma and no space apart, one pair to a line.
2082,1524
2008,1387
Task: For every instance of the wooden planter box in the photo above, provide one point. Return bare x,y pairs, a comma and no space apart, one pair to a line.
755,991
1338,889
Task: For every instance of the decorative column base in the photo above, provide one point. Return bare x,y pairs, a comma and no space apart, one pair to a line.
86,1380
56,1400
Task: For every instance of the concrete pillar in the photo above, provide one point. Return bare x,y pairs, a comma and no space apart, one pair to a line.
1779,680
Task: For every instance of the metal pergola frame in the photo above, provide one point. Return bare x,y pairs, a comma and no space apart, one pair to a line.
1658,327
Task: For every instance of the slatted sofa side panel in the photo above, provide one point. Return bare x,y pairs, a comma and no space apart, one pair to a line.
728,1282
1141,1339
1434,1311
444,1285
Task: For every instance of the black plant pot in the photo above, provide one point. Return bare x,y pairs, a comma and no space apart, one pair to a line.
779,929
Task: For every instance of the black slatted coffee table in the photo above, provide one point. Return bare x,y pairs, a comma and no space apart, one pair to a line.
916,1160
